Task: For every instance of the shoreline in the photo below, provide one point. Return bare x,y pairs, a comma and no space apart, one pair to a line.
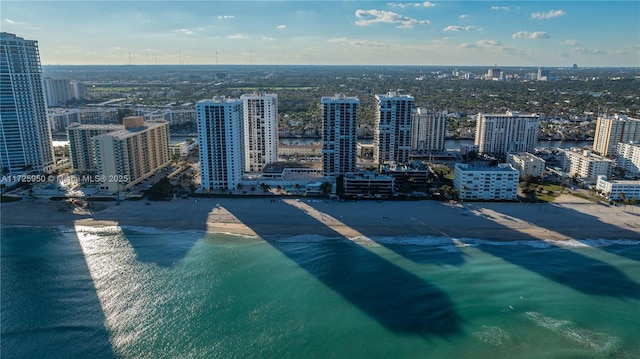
567,218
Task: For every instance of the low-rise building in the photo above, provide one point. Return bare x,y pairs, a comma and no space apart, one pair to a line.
182,148
526,163
486,182
406,178
618,190
585,164
367,185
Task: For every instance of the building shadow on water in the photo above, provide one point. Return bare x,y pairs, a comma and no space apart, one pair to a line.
560,264
165,249
555,262
394,297
575,224
426,244
49,305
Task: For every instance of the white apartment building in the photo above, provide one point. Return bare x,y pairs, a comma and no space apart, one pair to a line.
99,116
479,183
611,130
127,156
618,190
260,130
392,128
428,130
58,91
221,143
585,164
339,130
25,136
80,145
60,118
499,134
182,148
628,158
526,163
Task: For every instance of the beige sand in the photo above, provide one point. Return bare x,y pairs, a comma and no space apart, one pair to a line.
567,218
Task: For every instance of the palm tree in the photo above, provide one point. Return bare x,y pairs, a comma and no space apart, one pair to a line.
325,188
265,187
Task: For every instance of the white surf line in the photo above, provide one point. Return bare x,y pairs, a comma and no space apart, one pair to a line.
518,225
327,220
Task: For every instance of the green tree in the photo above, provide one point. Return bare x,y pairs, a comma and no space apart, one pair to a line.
325,188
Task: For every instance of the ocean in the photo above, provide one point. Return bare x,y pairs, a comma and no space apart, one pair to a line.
137,292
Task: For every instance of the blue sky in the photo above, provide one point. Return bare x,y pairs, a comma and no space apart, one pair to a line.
482,33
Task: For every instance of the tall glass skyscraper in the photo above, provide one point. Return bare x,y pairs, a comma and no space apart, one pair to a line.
25,136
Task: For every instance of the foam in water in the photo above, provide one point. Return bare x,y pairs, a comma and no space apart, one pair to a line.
600,342
492,335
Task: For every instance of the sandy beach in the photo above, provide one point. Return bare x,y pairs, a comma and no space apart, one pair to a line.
567,218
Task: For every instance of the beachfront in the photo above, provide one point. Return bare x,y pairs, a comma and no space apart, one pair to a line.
568,217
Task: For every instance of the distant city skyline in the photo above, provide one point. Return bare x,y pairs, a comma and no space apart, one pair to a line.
479,33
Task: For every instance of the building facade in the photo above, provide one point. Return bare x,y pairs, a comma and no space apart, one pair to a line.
260,130
618,190
526,163
392,128
99,116
611,130
220,142
127,156
499,134
57,91
480,183
339,130
428,130
60,118
585,164
80,146
25,136
628,158
367,185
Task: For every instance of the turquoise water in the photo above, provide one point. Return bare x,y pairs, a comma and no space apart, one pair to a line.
147,293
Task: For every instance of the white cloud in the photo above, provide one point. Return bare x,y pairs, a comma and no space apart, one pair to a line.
459,28
466,45
530,35
281,27
488,43
226,17
503,8
184,31
464,16
238,36
547,15
585,51
356,42
268,38
411,4
368,17
569,42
